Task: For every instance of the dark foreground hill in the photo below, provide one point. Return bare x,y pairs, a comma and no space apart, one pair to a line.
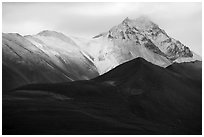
136,97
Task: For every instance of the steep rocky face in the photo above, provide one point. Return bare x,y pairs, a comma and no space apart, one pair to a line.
128,41
171,47
144,32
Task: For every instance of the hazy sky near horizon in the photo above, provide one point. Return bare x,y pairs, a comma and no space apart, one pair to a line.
182,21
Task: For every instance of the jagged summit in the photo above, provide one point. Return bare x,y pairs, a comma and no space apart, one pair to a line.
141,23
144,32
131,26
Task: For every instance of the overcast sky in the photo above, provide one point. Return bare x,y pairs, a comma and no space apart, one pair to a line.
182,21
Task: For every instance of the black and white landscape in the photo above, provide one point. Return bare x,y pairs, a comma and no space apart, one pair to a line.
131,79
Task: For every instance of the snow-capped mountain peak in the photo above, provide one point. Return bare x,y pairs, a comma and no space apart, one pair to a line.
145,32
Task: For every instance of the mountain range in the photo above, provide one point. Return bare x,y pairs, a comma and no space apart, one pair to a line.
51,56
131,79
